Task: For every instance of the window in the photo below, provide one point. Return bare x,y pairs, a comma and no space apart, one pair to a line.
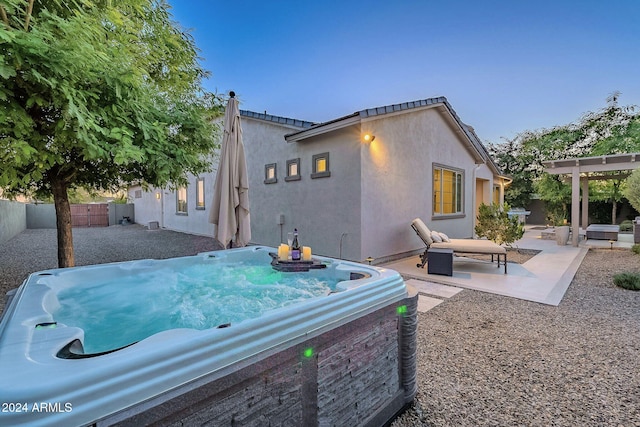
496,194
447,191
320,166
293,170
270,176
200,194
181,201
137,194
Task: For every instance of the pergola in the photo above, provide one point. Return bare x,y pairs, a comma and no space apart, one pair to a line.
579,169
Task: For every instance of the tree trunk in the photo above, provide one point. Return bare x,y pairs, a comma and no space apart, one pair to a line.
63,223
614,212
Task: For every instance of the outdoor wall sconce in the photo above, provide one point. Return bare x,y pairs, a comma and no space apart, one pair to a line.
367,137
158,196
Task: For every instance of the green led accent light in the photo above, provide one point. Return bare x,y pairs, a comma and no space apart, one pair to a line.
402,309
308,352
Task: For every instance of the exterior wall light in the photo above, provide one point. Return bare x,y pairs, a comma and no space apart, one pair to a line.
367,137
158,196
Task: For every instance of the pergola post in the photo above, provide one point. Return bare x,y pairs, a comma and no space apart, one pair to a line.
586,165
585,202
575,205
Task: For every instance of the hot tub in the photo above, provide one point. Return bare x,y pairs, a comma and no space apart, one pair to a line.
343,356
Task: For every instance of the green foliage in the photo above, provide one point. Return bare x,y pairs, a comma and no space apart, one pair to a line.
612,130
121,199
636,249
626,280
551,189
100,94
495,224
514,164
97,94
626,225
632,191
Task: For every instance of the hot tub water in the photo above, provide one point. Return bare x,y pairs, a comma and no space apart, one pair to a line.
115,312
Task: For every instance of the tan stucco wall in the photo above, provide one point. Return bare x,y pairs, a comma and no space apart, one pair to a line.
149,208
367,204
322,209
397,180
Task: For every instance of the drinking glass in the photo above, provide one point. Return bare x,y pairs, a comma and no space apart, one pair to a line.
290,238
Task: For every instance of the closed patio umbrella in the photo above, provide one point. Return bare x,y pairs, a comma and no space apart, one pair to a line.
230,206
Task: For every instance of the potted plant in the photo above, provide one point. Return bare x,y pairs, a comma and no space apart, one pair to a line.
556,216
562,232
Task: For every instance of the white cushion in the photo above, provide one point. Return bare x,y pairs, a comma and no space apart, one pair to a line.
472,246
436,237
444,237
423,230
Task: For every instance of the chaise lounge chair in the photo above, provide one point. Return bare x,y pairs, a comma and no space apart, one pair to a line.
466,246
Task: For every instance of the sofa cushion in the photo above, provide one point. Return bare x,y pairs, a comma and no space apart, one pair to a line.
472,246
423,230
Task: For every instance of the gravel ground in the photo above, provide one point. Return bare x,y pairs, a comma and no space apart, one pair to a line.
483,359
36,250
488,360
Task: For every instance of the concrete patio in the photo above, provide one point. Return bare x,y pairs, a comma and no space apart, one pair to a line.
543,279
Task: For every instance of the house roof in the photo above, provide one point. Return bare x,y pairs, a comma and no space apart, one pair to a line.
276,119
310,129
467,133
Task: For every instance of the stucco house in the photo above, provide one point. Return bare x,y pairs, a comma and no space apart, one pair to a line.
352,185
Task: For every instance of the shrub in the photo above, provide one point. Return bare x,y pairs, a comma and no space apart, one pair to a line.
636,248
626,225
632,192
494,224
627,281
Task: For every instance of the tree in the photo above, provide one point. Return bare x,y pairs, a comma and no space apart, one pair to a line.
515,164
557,196
614,129
95,94
632,192
495,224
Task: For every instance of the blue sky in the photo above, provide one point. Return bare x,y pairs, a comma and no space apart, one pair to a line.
505,66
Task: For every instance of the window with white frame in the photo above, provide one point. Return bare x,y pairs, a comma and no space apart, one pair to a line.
448,191
181,201
200,194
293,170
270,173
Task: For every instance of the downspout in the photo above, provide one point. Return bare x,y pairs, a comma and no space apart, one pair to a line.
473,200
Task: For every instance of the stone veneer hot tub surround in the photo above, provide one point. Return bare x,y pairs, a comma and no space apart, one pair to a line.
344,359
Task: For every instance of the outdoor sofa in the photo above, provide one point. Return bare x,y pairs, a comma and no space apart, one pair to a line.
465,246
603,232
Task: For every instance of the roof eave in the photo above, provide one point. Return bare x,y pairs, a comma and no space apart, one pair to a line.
322,128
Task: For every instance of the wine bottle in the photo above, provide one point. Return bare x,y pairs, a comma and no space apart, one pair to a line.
295,247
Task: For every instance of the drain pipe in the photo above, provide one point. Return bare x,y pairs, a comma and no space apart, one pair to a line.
341,237
474,185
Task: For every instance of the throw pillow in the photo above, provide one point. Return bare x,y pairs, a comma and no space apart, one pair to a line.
444,237
436,237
